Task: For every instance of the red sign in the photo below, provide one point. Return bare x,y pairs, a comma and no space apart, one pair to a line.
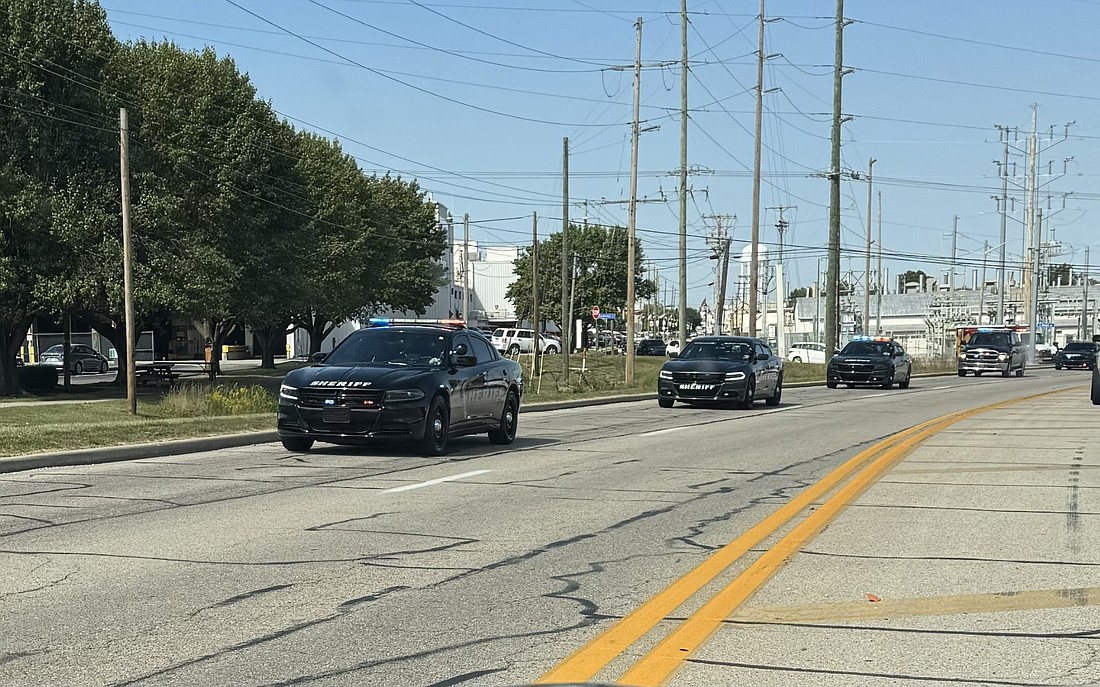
595,312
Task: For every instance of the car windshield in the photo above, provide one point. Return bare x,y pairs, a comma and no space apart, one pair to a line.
880,348
991,339
391,347
1080,346
717,350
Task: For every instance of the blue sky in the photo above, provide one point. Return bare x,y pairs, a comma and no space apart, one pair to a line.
473,98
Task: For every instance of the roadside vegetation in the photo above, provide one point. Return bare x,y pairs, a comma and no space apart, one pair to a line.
186,411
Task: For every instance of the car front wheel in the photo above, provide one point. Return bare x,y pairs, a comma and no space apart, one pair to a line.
904,384
778,395
750,394
505,432
79,369
796,359
665,402
513,349
434,441
297,444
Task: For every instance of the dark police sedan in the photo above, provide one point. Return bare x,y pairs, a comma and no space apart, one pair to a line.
424,381
876,361
1076,354
722,369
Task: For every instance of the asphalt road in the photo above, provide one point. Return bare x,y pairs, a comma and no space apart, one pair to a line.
254,566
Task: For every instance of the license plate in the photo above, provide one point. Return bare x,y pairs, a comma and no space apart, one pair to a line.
336,415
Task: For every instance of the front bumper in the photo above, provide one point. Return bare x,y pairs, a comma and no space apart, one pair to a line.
401,420
859,375
701,391
984,365
1085,363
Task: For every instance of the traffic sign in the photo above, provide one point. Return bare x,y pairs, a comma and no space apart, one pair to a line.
607,316
595,312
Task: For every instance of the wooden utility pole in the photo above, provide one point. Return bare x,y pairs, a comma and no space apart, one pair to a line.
1086,325
566,325
879,280
867,256
681,308
832,289
632,218
537,345
127,260
754,264
981,298
1029,222
466,267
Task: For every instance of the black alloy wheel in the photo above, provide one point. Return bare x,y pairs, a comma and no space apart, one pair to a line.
297,444
904,384
436,425
505,433
750,394
778,395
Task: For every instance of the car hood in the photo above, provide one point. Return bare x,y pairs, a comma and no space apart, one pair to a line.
705,366
357,376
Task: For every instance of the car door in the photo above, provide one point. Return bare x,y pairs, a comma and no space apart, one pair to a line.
463,386
766,370
492,388
902,363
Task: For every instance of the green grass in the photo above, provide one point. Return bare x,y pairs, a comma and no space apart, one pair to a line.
183,413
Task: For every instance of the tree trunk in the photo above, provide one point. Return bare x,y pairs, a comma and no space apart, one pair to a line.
318,327
14,334
216,332
267,338
114,332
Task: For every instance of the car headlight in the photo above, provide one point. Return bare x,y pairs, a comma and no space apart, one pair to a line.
665,374
734,376
1002,356
288,392
404,395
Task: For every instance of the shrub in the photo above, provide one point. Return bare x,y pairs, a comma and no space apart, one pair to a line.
37,377
193,400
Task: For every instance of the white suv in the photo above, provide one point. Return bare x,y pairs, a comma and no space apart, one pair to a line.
807,352
511,341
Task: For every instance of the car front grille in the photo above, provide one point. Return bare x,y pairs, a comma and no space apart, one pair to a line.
340,398
982,356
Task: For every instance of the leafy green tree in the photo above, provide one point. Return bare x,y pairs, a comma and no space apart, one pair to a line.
57,131
800,292
601,278
373,242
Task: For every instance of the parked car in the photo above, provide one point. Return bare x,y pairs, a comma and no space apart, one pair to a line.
82,358
1076,354
672,348
722,369
513,340
807,352
650,347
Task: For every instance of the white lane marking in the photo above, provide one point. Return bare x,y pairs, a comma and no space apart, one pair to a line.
441,480
876,395
940,388
661,431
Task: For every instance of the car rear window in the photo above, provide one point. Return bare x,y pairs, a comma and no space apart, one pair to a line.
1080,346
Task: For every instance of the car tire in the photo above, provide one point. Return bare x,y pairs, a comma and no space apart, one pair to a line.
513,349
551,350
778,395
796,359
962,373
78,368
1020,371
977,373
297,444
505,432
904,384
103,368
665,402
436,426
1057,366
749,399
830,385
889,383
1095,396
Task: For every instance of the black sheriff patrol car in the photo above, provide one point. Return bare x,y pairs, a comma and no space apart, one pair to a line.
870,361
425,381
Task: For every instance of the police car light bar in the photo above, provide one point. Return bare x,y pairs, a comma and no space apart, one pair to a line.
872,338
388,321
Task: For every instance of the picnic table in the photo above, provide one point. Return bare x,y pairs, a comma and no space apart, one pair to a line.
164,372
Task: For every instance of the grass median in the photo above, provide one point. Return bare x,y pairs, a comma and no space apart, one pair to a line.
185,412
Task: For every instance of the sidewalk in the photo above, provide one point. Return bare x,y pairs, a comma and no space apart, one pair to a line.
975,560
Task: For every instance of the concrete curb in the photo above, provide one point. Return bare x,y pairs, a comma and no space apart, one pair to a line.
112,454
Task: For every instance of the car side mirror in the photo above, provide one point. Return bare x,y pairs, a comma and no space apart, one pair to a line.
673,354
318,357
762,356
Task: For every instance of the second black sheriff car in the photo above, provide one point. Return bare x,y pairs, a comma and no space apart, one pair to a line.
422,381
722,369
870,361
1080,354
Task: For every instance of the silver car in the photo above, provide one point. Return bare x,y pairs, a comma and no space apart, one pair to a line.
82,358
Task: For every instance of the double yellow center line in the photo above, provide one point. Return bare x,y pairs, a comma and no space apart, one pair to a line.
853,478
